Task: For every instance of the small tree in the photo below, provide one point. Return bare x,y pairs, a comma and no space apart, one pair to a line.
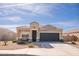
5,43
74,39
5,39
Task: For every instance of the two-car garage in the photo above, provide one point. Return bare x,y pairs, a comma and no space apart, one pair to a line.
49,36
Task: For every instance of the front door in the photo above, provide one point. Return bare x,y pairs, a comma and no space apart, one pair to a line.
34,35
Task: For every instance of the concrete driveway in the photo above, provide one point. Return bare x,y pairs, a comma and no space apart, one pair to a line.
55,49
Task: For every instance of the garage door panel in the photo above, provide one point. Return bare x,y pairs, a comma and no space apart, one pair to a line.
49,36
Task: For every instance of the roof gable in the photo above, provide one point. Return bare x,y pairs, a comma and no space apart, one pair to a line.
49,27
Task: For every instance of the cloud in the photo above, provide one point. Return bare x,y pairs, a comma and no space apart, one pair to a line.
67,23
14,18
12,9
9,5
11,27
32,9
29,9
15,12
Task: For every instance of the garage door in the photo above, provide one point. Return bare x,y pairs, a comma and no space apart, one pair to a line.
49,36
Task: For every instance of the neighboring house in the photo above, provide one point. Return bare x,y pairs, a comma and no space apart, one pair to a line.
72,32
36,32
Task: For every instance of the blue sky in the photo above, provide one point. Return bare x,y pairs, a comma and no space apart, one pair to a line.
65,16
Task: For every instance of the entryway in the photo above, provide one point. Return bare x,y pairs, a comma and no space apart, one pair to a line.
34,35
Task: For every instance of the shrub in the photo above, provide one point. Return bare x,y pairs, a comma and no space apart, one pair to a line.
74,38
31,45
74,43
14,41
61,40
20,41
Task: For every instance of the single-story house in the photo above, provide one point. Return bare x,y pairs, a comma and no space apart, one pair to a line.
37,32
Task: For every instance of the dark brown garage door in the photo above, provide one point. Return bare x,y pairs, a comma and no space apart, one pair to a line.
49,36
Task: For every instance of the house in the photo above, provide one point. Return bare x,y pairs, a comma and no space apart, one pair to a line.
36,32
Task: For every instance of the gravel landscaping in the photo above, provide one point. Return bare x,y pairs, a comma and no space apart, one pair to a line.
15,46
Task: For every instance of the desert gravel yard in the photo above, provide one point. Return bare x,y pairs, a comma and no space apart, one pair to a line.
55,49
11,46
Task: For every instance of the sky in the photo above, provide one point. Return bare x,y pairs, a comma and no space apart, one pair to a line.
61,15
